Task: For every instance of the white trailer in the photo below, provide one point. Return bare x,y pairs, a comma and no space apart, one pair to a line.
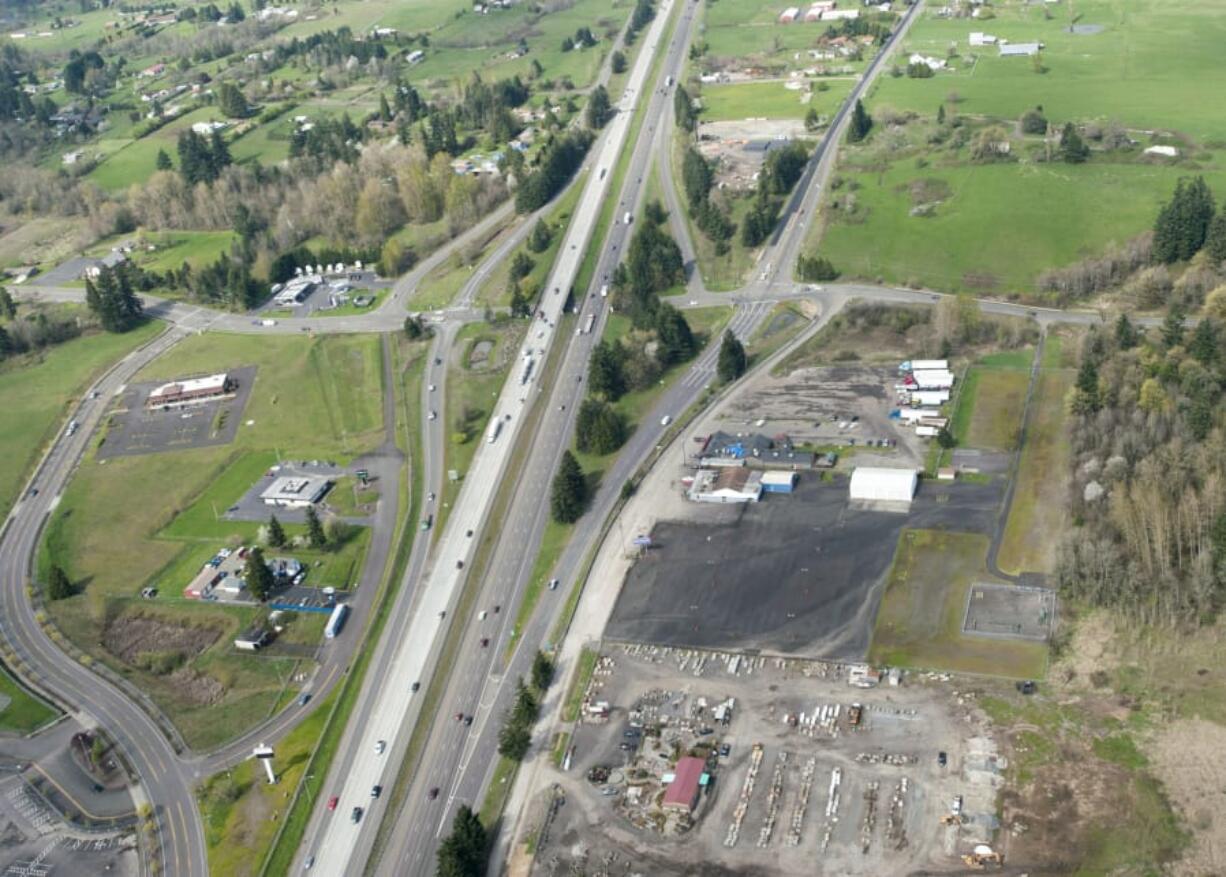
919,365
927,431
526,372
914,415
929,397
336,621
495,428
933,379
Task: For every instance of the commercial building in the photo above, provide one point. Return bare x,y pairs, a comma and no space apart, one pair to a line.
877,484
779,482
722,449
727,485
191,390
688,780
295,492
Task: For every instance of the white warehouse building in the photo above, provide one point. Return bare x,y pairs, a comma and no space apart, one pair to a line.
877,484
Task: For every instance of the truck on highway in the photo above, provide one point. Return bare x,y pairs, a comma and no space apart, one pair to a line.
336,621
526,373
495,428
586,328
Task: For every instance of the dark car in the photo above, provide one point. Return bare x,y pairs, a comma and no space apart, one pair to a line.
304,699
469,534
468,720
497,608
355,815
1027,687
942,759
485,641
459,564
433,793
376,791
459,717
631,732
415,687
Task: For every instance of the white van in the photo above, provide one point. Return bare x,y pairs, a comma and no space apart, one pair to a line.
627,218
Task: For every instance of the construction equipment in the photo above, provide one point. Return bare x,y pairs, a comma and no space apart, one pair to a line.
983,856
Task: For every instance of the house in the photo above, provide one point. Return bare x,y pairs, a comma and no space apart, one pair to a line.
728,485
688,779
155,70
978,38
112,259
877,484
789,15
928,61
72,157
207,128
1010,50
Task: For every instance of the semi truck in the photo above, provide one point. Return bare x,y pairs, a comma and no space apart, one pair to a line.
336,621
495,428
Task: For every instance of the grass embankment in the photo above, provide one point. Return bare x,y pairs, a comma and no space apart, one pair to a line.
1039,513
37,392
919,622
578,684
784,323
312,398
22,713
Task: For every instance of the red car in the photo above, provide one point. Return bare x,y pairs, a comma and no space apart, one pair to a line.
459,717
333,801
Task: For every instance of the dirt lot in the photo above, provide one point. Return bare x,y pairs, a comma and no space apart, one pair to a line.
737,147
817,405
824,797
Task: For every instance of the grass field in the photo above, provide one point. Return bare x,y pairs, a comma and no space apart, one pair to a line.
132,161
919,623
1155,64
1039,513
171,248
36,393
771,100
311,398
578,684
784,323
25,712
988,413
996,229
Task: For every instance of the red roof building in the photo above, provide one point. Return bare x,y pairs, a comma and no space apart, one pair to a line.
682,793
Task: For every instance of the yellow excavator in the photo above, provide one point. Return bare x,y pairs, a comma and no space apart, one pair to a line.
983,857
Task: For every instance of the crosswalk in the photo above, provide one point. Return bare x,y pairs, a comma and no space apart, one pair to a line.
744,320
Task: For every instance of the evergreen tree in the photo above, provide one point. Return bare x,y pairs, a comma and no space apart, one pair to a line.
815,269
606,374
732,359
812,120
1172,327
6,344
569,493
683,109
514,741
315,530
163,161
1125,333
542,671
257,575
599,429
413,328
385,111
1204,343
598,107
1072,148
946,439
1215,239
618,62
1087,385
696,177
861,123
463,852
232,101
8,307
1183,222
521,265
941,114
676,339
219,154
540,237
525,709
110,297
276,533
58,585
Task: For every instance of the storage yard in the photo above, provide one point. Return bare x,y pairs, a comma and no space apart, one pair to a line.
764,766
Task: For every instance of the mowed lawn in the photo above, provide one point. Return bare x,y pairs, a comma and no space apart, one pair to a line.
919,622
1000,224
754,100
989,410
129,521
1039,513
36,394
1154,64
22,712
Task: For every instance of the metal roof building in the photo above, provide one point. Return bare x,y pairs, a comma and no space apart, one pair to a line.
682,793
295,492
874,484
191,390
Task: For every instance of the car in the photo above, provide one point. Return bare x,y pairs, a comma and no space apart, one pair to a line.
380,747
33,491
609,791
553,584
376,791
485,642
1027,687
426,522
724,750
459,564
459,717
432,388
631,732
333,801
626,747
468,720
942,759
666,420
309,863
497,608
433,793
706,732
430,496
304,698
432,415
469,534
482,615
355,815
415,687
148,593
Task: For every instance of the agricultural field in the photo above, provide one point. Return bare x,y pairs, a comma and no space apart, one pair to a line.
919,622
311,398
990,400
772,99
749,33
37,391
917,204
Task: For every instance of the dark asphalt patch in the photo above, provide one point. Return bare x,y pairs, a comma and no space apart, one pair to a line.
795,574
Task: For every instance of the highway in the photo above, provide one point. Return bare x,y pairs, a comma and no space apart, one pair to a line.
342,841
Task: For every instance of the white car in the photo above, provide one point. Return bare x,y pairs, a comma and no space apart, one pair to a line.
380,747
432,388
666,420
433,415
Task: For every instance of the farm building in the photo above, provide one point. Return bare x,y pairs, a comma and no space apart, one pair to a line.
789,15
728,485
981,39
251,640
1011,50
1168,151
688,779
295,492
191,390
875,484
778,482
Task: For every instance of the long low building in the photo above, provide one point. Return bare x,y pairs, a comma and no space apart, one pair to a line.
727,485
191,390
295,492
879,484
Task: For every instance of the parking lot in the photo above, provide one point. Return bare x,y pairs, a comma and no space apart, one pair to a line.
131,429
800,573
35,842
818,776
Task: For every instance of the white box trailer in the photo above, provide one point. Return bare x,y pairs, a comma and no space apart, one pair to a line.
495,428
927,431
919,365
914,415
929,397
933,379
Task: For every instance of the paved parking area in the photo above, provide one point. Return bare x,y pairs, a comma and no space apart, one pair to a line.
132,429
794,574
